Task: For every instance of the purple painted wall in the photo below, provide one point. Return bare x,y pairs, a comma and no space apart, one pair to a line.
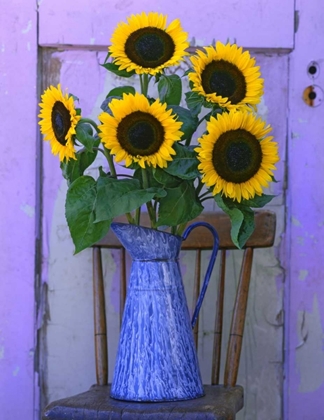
18,98
305,221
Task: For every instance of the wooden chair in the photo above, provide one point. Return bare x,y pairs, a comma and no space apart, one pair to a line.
221,402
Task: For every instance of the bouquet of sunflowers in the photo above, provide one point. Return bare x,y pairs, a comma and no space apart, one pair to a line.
154,157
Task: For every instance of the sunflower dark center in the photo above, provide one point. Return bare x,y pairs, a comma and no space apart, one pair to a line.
224,79
237,156
140,134
61,122
149,47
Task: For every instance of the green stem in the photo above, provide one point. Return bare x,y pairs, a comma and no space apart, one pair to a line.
149,205
91,122
200,187
130,219
188,141
138,216
204,194
144,78
207,198
181,228
110,162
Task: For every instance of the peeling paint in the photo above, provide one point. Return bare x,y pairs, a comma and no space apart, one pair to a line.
295,221
27,209
302,275
2,47
16,371
28,28
300,240
310,355
92,41
263,109
295,135
2,352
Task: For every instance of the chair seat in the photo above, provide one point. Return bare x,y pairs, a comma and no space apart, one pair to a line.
219,403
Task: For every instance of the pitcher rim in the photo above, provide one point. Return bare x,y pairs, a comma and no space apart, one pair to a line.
146,228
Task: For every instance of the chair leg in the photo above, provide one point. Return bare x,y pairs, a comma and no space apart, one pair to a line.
238,321
218,330
100,329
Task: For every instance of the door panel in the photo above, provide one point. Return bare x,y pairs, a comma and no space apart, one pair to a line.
69,331
253,23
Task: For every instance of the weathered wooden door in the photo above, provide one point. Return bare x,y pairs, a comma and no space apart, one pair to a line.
73,37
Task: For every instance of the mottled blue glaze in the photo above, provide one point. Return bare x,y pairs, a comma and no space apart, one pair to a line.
156,358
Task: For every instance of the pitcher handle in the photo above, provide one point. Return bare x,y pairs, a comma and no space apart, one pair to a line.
209,268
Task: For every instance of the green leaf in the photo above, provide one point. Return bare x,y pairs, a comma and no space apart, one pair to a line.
80,213
170,89
158,192
107,57
115,69
75,98
167,180
184,164
242,219
85,136
105,105
180,205
185,74
119,91
120,196
258,201
194,102
74,168
189,122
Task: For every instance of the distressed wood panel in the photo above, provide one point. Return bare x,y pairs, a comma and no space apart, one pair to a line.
18,216
253,24
305,242
69,364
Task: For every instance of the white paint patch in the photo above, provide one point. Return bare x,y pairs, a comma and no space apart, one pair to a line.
28,46
16,371
300,240
310,356
92,41
302,121
295,221
302,275
263,109
295,135
28,28
2,352
29,210
2,48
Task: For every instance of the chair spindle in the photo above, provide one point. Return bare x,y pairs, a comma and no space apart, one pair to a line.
238,320
100,328
196,292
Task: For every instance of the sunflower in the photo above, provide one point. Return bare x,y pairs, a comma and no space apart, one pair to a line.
138,131
58,121
236,155
147,45
227,76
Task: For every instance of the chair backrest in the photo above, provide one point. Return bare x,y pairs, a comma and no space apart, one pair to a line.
200,239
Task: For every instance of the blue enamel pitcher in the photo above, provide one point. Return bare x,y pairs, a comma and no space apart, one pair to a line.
156,358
